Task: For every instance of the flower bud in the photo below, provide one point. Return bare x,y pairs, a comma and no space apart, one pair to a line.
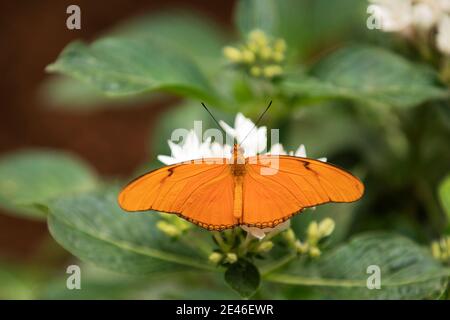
265,246
215,257
313,232
231,257
301,247
255,71
233,54
326,227
289,236
265,53
278,56
314,252
258,37
247,56
272,71
436,250
443,35
168,229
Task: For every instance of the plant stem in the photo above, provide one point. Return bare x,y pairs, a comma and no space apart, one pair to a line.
218,237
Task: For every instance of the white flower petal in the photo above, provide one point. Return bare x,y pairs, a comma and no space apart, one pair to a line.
261,139
220,151
443,35
301,151
229,130
425,15
278,228
277,149
242,125
167,160
255,232
192,141
261,233
176,150
444,5
393,15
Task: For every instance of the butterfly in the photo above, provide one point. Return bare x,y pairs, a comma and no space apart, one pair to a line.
260,191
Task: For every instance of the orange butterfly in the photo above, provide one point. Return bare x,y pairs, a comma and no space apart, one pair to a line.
260,191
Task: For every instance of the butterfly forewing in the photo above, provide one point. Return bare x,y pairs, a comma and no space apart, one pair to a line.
199,191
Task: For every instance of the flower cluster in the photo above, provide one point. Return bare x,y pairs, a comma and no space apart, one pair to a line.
315,233
255,143
441,249
260,56
423,17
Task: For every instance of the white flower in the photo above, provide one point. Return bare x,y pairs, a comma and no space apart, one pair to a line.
192,148
261,233
256,141
443,35
393,15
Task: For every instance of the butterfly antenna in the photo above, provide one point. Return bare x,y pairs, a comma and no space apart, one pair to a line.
206,108
257,121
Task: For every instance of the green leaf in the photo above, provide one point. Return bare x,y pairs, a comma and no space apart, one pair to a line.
408,271
369,75
70,94
257,14
187,32
243,277
182,31
93,227
30,179
120,66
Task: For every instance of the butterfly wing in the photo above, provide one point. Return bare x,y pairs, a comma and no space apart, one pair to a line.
277,187
199,191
